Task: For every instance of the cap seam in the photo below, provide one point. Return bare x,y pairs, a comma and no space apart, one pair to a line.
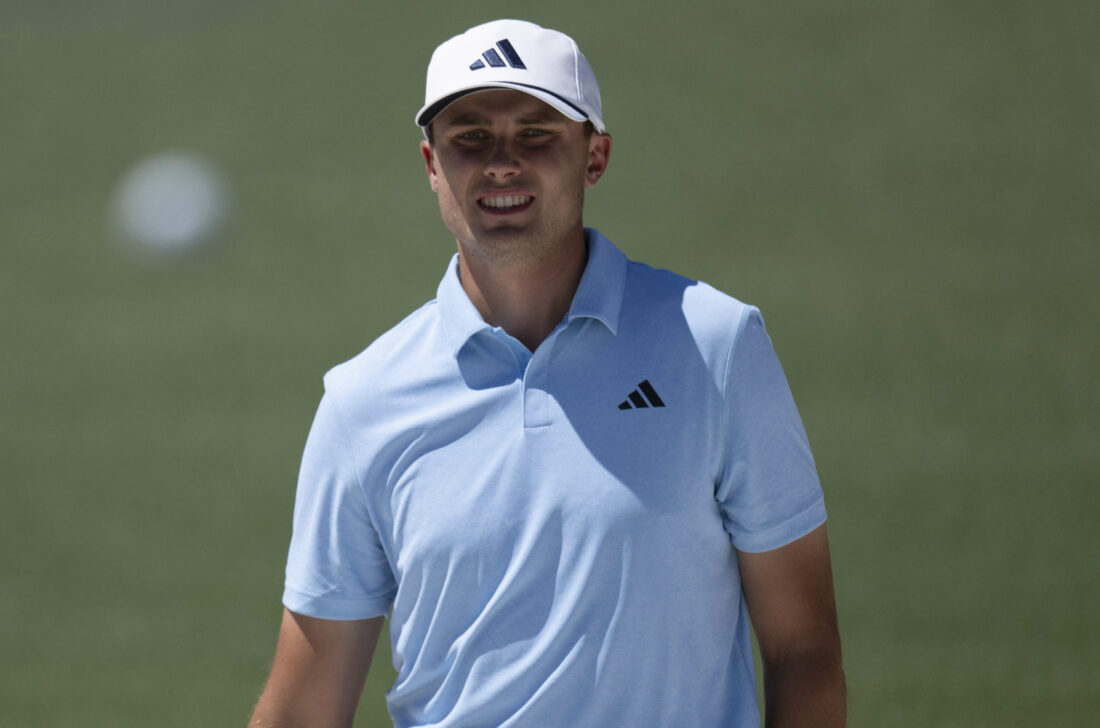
577,73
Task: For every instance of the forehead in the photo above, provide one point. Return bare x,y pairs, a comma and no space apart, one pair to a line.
500,106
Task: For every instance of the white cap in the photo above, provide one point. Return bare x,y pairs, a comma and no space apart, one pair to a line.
518,55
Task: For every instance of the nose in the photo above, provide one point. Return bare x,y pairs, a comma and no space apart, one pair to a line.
502,162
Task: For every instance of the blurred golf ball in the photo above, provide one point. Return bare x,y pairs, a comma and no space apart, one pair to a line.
171,204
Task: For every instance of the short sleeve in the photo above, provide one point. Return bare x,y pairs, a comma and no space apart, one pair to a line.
769,493
336,568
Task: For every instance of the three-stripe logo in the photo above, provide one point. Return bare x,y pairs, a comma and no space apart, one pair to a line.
642,397
494,59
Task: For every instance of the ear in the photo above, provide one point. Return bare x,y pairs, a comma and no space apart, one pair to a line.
428,153
599,152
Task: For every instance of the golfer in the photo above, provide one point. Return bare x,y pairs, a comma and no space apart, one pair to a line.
574,483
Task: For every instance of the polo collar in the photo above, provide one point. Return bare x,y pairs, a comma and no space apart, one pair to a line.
599,294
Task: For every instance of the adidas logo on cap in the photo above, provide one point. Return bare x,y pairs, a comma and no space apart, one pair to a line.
493,58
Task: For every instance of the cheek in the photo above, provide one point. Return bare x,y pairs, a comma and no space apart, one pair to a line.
449,208
445,193
449,178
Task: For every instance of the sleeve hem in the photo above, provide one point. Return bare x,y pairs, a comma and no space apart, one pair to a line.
343,609
784,533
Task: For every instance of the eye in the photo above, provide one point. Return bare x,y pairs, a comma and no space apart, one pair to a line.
536,135
470,137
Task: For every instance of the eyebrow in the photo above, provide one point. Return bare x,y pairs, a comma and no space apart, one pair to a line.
467,120
475,119
539,119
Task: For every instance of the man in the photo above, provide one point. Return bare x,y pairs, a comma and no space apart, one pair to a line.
571,477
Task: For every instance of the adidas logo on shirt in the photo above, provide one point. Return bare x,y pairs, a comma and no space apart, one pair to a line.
494,59
643,397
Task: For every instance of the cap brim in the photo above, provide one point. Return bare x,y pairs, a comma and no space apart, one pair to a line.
425,116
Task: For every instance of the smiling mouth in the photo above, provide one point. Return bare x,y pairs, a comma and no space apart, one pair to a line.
505,203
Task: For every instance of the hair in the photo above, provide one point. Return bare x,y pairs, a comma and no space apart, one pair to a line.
589,130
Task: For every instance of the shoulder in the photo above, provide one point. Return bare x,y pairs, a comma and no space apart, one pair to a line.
660,287
401,353
714,317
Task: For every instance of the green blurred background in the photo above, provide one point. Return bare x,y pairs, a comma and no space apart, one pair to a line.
907,189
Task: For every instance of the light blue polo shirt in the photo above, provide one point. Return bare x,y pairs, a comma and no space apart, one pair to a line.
555,532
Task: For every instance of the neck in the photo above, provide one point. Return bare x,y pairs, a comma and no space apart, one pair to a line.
526,298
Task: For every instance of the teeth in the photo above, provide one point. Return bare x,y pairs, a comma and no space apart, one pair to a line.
505,201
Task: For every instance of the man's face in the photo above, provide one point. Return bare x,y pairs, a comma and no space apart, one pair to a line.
510,173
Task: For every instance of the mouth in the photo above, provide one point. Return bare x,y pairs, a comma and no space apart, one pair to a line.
501,204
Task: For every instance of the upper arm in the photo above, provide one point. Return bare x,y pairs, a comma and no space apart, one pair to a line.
768,490
318,673
789,593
